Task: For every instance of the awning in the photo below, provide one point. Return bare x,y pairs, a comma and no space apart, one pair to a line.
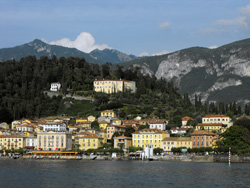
29,147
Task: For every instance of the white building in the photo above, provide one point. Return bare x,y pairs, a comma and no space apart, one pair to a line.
226,120
54,126
55,86
31,142
178,130
25,128
158,124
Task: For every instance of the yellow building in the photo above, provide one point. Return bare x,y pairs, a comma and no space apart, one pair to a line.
103,134
103,125
176,142
81,120
149,136
117,122
12,142
91,118
114,86
90,141
108,113
211,127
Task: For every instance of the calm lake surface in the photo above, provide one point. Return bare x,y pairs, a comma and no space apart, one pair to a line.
72,173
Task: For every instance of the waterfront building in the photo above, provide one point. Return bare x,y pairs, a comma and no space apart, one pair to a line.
54,140
122,142
149,137
111,129
88,141
54,126
114,86
202,138
157,124
31,142
225,120
176,142
12,142
55,86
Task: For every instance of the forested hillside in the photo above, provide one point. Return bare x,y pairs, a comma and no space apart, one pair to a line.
22,86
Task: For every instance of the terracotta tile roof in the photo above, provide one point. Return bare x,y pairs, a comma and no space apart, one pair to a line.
209,124
180,139
24,125
103,122
170,139
123,137
215,116
202,132
92,136
156,131
186,118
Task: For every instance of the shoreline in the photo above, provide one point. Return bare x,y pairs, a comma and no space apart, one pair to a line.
180,158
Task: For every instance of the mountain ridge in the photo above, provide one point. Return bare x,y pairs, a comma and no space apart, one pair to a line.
39,48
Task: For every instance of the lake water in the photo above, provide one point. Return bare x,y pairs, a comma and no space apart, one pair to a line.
72,173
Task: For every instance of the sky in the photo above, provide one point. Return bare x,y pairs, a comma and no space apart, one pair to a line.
138,27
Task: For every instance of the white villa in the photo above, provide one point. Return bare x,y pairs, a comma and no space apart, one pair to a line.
55,86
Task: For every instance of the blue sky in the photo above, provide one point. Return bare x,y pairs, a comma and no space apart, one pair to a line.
133,26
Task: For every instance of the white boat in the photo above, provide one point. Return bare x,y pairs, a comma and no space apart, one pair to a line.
93,156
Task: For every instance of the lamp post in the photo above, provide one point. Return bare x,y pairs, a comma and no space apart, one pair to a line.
229,156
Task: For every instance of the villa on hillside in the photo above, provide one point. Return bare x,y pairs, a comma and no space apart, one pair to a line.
55,86
114,86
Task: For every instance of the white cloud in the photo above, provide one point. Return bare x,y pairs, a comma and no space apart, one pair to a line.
143,54
161,53
241,21
238,24
155,54
84,42
165,24
44,40
213,47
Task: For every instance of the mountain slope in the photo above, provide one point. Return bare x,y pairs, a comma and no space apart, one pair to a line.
39,48
111,56
221,74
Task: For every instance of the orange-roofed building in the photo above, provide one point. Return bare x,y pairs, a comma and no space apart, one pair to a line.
90,141
176,142
226,120
202,138
185,120
122,142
